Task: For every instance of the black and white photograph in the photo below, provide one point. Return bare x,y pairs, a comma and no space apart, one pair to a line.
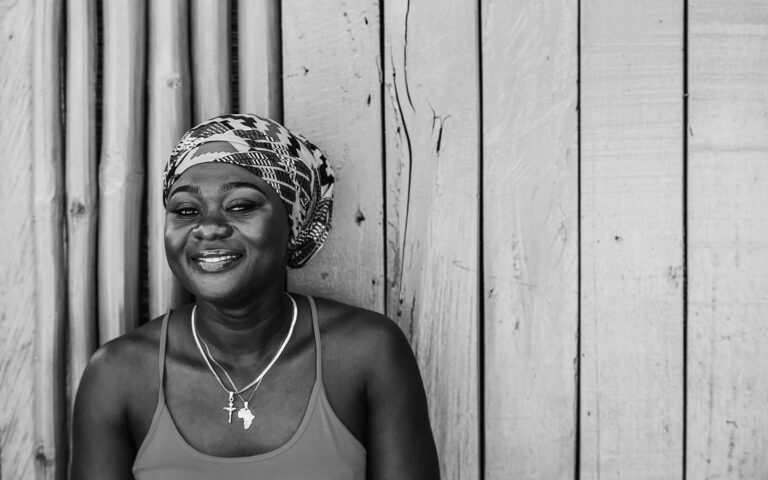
384,239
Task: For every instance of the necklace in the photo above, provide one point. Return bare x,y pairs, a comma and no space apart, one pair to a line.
245,412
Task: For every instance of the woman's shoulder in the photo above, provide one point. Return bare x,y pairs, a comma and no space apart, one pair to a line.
355,324
363,337
371,360
130,350
118,382
122,364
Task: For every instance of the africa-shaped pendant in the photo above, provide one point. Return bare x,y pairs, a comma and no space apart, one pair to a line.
246,415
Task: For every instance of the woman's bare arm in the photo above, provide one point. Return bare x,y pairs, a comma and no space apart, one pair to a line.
102,447
399,439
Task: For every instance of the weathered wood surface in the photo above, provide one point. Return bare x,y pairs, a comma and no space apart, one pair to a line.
168,117
17,277
426,194
530,237
333,97
81,181
260,47
50,262
632,240
432,197
727,418
210,58
121,169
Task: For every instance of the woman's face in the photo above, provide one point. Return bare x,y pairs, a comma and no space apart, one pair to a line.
226,233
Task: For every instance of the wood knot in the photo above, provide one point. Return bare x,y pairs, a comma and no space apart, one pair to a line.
359,217
76,208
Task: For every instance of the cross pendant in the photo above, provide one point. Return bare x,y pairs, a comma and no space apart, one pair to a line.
230,408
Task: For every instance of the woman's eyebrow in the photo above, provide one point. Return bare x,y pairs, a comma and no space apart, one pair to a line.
185,188
231,185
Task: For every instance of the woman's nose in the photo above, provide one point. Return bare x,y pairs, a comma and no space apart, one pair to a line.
212,227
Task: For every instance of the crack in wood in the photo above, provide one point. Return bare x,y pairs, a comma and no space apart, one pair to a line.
409,155
405,55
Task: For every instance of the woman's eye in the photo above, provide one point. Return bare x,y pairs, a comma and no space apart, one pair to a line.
185,211
240,207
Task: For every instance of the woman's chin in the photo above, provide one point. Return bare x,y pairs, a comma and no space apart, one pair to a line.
228,285
216,294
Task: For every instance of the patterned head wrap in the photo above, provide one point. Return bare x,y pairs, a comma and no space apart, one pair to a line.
295,168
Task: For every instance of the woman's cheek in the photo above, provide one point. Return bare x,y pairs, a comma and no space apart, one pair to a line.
175,237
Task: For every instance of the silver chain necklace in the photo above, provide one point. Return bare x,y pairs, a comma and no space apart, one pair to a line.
245,412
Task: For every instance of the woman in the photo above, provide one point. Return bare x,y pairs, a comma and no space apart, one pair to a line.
250,381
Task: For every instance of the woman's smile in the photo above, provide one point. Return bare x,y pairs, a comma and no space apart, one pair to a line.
215,260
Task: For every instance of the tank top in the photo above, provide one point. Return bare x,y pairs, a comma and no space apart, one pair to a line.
322,447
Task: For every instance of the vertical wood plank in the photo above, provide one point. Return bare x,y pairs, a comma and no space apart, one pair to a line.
17,277
727,420
81,187
632,236
260,60
332,96
50,269
168,117
121,170
210,58
530,240
431,76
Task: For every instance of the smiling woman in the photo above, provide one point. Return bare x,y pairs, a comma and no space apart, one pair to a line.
222,218
251,381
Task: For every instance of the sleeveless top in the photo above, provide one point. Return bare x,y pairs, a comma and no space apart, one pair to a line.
322,447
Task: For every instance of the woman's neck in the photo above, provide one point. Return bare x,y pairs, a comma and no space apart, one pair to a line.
245,335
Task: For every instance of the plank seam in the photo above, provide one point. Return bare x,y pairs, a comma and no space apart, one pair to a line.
191,68
64,343
577,435
279,110
65,420
99,109
685,238
144,293
480,255
382,106
234,59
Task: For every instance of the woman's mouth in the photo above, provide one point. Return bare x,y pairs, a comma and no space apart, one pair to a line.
215,260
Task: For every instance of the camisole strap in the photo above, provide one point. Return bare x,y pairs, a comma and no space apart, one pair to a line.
318,349
161,355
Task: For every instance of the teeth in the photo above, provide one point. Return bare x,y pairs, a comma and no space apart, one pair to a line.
223,258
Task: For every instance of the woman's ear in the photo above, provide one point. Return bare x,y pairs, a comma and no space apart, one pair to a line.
289,249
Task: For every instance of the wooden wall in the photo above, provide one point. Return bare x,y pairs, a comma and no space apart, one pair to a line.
562,204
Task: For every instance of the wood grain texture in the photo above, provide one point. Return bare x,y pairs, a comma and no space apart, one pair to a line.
727,419
17,277
168,117
332,96
260,46
632,236
209,35
121,169
81,179
530,237
50,262
431,74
